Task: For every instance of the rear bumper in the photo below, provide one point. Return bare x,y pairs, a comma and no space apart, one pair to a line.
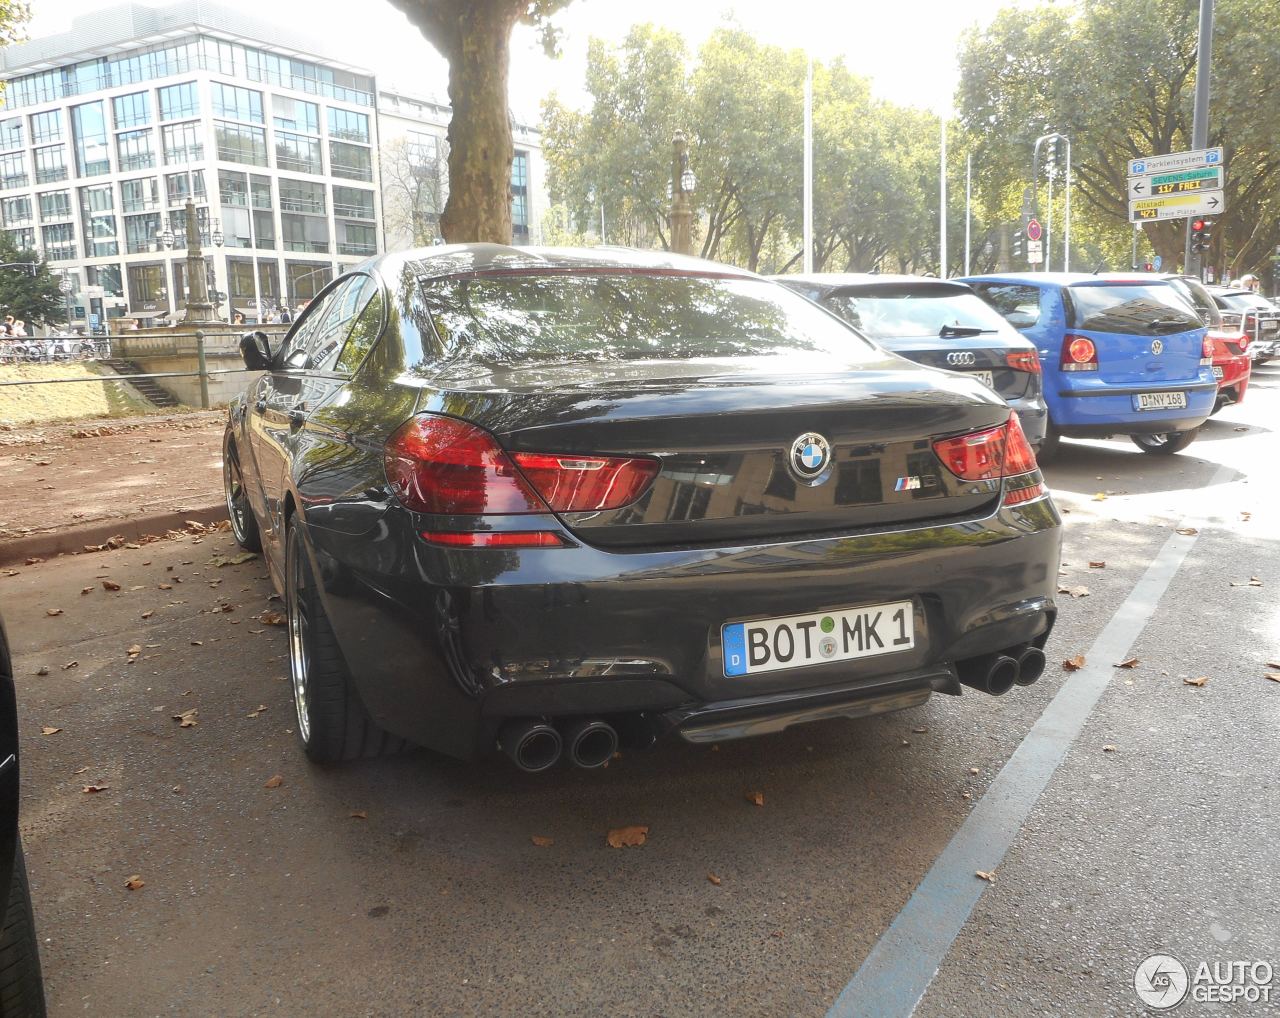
1033,414
445,644
1097,410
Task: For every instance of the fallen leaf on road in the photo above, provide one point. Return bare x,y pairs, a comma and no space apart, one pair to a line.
714,879
47,730
275,781
272,618
1273,676
990,878
42,670
70,664
82,770
147,615
90,789
85,590
134,650
975,770
53,611
255,713
135,883
627,837
1187,531
110,585
541,841
197,643
1097,565
235,560
756,797
34,561
165,586
1073,664
966,795
1129,662
1100,497
1254,581
1074,591
359,814
1108,749
1199,680
919,731
187,719
1273,664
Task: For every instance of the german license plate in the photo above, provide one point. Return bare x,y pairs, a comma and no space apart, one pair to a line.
1160,401
1270,324
797,641
1217,371
984,377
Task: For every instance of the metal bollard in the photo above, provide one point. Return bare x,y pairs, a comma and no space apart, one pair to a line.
204,371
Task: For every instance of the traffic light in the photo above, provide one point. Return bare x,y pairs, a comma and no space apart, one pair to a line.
1200,238
1019,248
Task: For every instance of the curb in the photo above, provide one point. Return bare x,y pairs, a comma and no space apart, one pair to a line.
73,539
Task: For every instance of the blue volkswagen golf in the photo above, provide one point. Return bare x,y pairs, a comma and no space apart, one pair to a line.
1120,355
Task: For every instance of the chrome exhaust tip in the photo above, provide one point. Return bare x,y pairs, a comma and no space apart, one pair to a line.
532,745
590,743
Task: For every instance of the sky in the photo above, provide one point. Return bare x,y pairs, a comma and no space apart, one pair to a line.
907,47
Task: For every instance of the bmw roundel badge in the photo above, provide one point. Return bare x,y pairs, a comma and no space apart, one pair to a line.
810,456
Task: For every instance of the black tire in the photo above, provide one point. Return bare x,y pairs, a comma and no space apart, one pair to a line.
21,984
244,525
1166,444
1048,450
333,724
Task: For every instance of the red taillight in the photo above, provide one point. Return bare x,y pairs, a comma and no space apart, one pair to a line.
494,539
992,454
1024,360
572,484
1243,341
446,466
1206,351
1079,354
1250,324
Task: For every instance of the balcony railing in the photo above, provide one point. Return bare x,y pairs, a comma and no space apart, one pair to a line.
357,249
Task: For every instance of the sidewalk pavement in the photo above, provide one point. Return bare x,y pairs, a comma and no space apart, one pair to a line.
71,487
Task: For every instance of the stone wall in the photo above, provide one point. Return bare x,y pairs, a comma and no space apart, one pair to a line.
174,349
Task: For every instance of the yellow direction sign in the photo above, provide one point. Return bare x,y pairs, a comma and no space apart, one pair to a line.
1176,206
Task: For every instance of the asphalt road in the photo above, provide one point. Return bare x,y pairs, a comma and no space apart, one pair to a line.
412,886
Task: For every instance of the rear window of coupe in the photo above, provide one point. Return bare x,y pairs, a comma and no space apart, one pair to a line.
503,320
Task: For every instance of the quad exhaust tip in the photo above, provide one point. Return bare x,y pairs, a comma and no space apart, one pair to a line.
531,744
590,743
1031,664
991,673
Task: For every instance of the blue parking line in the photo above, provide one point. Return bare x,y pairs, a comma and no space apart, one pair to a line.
895,975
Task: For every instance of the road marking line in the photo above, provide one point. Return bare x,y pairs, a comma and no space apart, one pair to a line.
895,975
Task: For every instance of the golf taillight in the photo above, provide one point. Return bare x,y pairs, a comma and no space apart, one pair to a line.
1023,360
572,484
992,454
447,467
1078,354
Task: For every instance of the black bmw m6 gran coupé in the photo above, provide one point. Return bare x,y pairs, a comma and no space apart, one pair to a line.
543,499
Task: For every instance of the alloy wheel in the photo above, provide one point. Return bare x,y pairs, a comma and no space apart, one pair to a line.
298,612
237,501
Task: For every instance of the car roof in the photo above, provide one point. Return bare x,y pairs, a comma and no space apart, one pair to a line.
1071,278
851,280
458,259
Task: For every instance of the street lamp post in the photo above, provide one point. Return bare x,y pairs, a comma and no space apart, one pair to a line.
65,286
199,307
683,183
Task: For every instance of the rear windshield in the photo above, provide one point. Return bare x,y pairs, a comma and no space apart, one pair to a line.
1133,309
505,320
1200,299
1246,302
902,313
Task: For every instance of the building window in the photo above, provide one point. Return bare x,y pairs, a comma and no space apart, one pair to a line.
107,277
357,239
98,221
24,239
304,233
178,187
233,188
16,211
13,171
139,195
351,161
301,196
260,191
423,150
11,133
46,127
51,164
146,285
60,242
134,150
264,230
235,228
237,103
348,125
55,205
353,202
520,195
178,102
295,115
306,279
140,232
181,143
238,144
89,135
297,154
131,110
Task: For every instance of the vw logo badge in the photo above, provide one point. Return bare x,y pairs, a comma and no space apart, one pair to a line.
1157,346
810,456
963,358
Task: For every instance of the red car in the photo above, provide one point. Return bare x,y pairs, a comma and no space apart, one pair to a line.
1231,361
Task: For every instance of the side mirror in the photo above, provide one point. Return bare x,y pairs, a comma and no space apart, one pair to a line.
255,348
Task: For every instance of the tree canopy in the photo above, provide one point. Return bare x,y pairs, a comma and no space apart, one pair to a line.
33,297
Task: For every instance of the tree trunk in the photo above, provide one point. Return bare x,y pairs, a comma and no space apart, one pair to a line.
475,37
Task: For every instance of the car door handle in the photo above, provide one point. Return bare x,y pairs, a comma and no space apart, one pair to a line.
297,418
